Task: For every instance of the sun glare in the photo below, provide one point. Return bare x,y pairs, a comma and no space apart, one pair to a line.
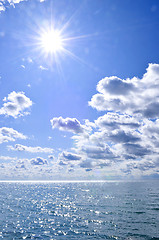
51,41
53,44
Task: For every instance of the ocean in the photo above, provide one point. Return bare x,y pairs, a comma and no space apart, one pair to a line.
79,210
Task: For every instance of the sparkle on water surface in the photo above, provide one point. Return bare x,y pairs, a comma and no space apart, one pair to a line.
78,210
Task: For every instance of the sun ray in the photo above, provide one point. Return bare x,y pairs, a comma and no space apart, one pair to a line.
79,37
78,59
53,42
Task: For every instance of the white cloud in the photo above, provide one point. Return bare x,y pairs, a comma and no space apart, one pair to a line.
15,1
115,86
131,96
9,134
86,164
96,152
68,156
51,157
115,120
38,161
2,8
124,141
5,158
30,60
62,163
15,105
34,168
67,124
144,167
5,3
21,148
43,68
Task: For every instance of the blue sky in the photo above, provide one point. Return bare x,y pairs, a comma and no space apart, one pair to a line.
89,108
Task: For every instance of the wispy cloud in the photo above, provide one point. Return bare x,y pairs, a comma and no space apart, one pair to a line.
22,148
43,68
5,158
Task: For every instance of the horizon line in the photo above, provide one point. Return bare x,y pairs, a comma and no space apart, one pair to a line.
73,181
60,181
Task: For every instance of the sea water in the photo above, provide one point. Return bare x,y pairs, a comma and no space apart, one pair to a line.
108,210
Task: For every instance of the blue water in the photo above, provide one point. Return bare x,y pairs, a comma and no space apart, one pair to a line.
110,210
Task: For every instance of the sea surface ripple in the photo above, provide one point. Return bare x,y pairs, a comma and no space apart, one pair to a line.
57,211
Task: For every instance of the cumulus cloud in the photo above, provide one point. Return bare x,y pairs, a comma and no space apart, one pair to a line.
125,140
51,157
38,161
131,96
96,152
145,166
22,148
33,169
15,105
118,136
69,156
67,124
150,131
115,120
86,164
9,134
62,163
136,149
115,86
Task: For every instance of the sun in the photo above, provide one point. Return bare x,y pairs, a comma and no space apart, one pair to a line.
51,41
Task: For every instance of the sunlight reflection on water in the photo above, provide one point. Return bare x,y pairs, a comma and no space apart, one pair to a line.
79,210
